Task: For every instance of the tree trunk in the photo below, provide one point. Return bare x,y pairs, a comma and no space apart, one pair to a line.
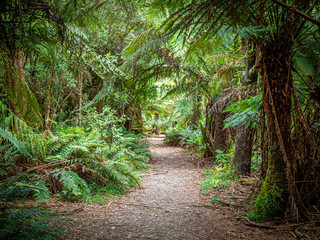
21,100
244,135
215,136
221,141
48,101
196,110
208,131
277,93
155,127
139,114
128,123
80,96
243,151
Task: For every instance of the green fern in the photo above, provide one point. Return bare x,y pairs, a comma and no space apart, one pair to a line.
20,146
73,183
244,112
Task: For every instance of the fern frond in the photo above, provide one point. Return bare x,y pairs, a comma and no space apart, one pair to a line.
20,146
245,112
73,183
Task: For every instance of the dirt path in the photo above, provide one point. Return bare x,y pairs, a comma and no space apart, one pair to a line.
169,205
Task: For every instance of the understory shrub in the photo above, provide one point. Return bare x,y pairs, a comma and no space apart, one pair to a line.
72,165
221,174
187,138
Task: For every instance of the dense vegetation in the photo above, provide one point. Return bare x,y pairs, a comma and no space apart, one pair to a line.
82,81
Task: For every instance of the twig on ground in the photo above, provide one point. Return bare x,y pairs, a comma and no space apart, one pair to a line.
253,224
80,209
109,204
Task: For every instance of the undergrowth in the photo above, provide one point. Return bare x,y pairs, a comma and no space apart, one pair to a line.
76,164
185,137
221,174
266,205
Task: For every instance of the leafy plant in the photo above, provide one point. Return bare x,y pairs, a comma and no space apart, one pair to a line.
24,223
221,174
188,138
244,112
256,161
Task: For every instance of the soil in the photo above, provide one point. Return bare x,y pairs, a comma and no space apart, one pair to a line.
170,205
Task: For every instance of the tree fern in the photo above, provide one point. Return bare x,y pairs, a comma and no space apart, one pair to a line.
244,112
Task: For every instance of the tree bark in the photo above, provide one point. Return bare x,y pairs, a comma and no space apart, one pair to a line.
196,110
277,93
21,100
48,101
221,141
208,131
277,84
243,151
139,114
128,123
244,134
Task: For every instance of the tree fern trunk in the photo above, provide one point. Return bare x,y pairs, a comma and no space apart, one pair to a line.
243,151
244,134
277,93
208,131
196,110
221,141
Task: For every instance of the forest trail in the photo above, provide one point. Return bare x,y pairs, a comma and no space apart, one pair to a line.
169,205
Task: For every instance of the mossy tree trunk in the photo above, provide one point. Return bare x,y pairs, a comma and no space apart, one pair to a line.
279,191
21,99
277,93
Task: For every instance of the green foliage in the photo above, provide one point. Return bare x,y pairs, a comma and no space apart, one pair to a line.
244,112
173,137
22,185
20,222
72,183
256,161
23,223
29,108
187,138
222,173
100,153
117,66
18,139
266,205
75,159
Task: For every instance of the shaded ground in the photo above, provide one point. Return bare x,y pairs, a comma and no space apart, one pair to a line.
169,205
